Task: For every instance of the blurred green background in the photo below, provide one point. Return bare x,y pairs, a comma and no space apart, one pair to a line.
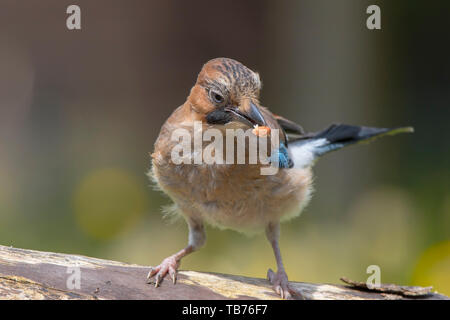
80,111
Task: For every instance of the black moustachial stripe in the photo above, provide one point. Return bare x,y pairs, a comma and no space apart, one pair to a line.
219,116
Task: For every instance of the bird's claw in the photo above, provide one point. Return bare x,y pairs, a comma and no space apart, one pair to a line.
167,266
280,283
173,274
150,273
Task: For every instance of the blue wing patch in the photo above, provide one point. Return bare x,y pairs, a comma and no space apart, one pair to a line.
284,160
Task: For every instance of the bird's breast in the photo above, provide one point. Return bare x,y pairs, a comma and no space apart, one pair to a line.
234,196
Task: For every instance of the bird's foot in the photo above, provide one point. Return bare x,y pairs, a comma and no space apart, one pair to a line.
280,283
167,266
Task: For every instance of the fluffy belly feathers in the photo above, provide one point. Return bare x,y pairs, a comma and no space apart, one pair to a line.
237,197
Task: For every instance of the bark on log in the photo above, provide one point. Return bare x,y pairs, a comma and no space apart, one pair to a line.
29,274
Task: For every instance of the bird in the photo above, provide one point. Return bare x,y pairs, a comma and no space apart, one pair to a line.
237,196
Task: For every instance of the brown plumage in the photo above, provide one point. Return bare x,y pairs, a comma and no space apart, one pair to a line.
227,196
237,196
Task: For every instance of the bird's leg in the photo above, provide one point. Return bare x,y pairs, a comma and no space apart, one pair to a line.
170,265
279,279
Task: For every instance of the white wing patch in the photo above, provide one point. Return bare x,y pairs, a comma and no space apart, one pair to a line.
304,154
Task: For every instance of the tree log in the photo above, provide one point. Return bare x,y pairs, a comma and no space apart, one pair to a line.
29,274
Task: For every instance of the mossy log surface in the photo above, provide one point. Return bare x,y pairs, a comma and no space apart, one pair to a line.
29,274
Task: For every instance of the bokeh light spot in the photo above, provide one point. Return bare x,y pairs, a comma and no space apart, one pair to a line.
108,202
383,227
433,268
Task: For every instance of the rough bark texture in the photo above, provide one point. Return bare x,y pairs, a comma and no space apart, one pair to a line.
28,274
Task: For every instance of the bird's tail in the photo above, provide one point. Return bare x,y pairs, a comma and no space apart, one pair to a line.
304,151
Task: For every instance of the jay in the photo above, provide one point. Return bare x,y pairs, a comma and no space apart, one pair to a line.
236,195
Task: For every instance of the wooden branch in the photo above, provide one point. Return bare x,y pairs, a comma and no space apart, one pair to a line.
28,274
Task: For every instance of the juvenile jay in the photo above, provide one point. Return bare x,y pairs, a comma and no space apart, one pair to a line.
237,196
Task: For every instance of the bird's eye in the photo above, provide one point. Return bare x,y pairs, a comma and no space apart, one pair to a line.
216,97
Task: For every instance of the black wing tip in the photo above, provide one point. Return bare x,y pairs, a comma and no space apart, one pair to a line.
344,133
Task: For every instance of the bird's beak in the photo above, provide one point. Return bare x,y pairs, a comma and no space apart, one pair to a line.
248,113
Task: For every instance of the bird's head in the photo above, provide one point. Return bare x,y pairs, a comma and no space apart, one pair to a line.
227,92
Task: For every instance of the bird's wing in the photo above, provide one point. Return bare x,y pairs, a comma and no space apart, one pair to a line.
290,127
309,147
